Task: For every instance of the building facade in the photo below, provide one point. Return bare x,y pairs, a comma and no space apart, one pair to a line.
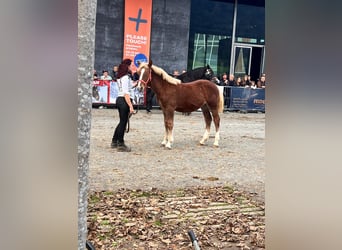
228,35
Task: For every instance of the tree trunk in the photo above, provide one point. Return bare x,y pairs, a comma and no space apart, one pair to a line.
86,45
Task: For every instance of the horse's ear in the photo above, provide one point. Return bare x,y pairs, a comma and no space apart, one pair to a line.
150,63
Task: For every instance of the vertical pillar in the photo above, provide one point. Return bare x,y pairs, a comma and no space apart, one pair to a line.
232,51
86,45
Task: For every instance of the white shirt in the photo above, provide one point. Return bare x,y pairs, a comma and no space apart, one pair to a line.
106,78
125,86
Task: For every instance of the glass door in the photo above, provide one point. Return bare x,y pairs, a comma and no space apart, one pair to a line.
242,60
248,60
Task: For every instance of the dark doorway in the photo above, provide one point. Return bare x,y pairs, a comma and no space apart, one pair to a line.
256,63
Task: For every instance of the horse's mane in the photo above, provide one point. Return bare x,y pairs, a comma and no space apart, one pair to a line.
163,74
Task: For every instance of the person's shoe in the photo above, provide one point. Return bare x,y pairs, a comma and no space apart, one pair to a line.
114,144
123,148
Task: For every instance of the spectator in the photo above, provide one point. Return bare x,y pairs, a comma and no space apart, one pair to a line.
216,81
224,80
149,99
239,82
246,81
262,82
175,73
105,75
231,80
114,72
253,85
95,77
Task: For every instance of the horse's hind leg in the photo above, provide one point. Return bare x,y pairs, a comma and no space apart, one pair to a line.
208,119
216,118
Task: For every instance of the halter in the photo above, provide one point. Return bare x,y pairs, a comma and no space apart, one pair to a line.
148,79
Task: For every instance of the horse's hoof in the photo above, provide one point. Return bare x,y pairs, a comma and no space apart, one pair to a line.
216,145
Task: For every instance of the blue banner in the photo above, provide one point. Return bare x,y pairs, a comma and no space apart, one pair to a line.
246,99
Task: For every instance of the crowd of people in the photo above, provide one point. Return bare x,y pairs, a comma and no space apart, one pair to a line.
224,80
105,74
239,81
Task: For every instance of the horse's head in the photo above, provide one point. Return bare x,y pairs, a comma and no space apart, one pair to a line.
209,73
147,71
144,72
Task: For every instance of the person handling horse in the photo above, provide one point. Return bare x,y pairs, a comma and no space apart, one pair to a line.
124,104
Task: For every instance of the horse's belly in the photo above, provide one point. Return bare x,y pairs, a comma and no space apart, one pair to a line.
187,108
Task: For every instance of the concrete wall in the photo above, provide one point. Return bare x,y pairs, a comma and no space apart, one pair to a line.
109,34
169,36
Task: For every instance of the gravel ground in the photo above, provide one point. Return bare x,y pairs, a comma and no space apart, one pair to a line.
238,162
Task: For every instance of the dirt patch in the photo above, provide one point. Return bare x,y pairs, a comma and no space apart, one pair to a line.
239,161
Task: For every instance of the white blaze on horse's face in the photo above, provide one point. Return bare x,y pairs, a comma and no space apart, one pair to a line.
140,78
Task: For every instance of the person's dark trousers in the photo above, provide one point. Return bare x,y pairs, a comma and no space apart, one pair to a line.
149,99
226,96
123,109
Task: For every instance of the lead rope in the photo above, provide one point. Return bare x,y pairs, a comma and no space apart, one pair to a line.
130,115
127,128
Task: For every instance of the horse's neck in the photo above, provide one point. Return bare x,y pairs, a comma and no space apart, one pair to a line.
158,84
194,75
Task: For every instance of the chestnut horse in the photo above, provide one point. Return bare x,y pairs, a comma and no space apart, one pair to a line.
176,96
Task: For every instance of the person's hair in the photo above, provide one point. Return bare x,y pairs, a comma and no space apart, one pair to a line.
123,68
127,61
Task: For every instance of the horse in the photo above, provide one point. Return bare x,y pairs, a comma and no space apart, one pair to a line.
176,96
198,73
195,74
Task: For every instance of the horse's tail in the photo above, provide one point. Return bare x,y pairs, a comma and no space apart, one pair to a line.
220,102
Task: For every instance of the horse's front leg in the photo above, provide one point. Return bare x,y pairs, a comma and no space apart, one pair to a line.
205,136
168,122
165,138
